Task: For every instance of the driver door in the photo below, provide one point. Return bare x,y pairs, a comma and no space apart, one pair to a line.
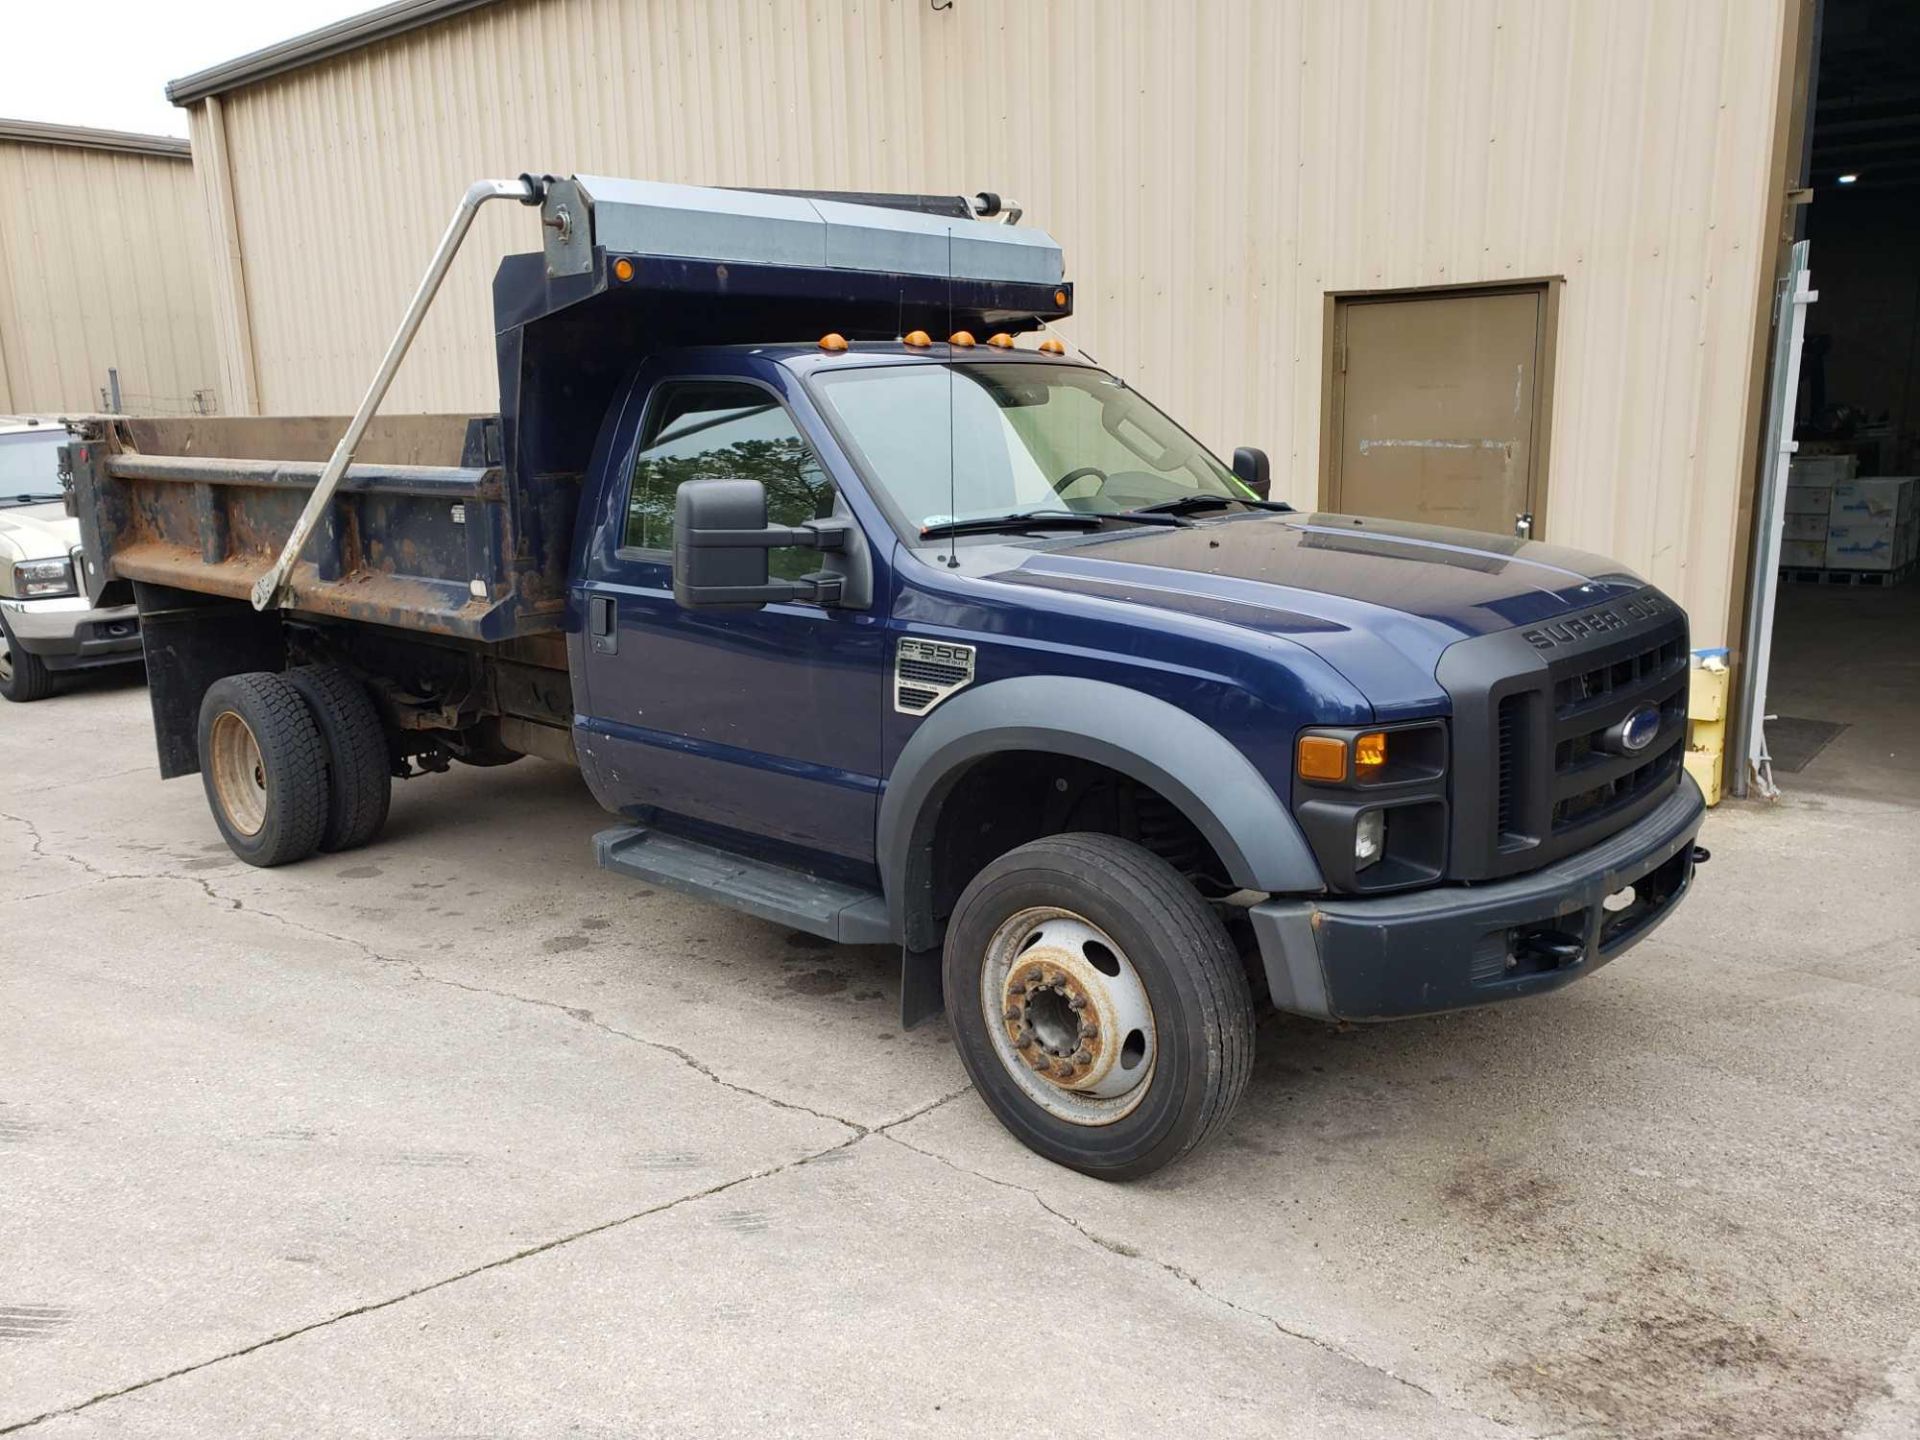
763,722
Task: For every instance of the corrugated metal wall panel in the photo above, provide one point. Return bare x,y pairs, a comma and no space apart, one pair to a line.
1215,168
101,266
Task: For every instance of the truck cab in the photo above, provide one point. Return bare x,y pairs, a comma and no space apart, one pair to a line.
869,607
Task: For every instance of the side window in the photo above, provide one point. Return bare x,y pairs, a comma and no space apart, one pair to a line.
720,430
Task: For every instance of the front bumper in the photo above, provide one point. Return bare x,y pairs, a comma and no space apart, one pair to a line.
69,634
1453,946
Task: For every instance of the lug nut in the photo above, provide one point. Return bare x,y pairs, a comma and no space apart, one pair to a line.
1083,1057
1013,1012
1089,1030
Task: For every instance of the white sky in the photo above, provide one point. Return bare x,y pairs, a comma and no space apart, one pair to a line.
107,62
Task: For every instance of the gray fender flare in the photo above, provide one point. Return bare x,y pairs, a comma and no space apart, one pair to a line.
1195,767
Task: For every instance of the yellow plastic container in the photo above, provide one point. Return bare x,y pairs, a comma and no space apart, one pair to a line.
1707,728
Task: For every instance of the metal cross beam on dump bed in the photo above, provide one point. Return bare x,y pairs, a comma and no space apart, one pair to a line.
467,535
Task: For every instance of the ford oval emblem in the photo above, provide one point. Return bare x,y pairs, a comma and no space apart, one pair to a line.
1636,731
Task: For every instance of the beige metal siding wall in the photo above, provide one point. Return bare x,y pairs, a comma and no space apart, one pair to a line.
101,265
1214,168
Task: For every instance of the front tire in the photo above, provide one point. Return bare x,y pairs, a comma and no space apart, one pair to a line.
264,767
1098,1004
23,677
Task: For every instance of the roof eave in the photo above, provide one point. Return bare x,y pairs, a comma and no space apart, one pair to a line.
354,33
84,137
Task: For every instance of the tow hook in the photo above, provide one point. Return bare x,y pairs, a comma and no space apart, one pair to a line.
1549,948
1701,855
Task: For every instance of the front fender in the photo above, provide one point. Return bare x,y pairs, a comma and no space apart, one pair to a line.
1188,762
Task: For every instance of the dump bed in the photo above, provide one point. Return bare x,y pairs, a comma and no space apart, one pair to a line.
417,535
462,526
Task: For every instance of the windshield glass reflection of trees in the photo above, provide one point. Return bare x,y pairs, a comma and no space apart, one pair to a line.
1019,438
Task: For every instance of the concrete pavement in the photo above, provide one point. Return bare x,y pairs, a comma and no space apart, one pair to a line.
458,1136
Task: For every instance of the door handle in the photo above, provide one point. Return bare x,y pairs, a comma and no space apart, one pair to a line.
603,624
1523,525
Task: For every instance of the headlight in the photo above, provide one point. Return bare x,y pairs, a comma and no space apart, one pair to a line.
1372,801
43,579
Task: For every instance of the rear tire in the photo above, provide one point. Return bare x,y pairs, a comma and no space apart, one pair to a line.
359,782
264,767
1072,963
23,677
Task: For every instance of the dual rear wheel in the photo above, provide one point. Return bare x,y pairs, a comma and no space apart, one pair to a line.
293,763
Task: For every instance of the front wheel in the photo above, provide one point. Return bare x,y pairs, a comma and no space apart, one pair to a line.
1098,1004
23,677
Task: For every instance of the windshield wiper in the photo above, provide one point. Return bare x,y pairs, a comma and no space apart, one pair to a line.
1042,520
1188,504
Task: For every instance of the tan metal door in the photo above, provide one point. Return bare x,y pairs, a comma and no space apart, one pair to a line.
1435,413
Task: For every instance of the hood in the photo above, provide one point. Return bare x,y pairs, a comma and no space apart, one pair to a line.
37,532
1379,600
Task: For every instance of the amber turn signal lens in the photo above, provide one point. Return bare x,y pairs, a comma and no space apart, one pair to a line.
919,339
962,338
1051,346
623,270
1369,753
1322,757
1001,340
1060,297
834,342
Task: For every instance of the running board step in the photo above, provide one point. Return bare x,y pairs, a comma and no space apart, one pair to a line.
845,913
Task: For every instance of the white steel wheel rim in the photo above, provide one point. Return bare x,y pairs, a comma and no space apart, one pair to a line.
1068,1016
239,774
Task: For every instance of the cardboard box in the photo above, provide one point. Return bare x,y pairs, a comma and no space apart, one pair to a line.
1804,554
1821,469
1806,527
1809,500
1869,547
1884,498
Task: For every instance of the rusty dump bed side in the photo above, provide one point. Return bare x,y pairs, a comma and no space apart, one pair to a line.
424,534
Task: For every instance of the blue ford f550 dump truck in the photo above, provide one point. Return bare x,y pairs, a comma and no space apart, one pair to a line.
869,615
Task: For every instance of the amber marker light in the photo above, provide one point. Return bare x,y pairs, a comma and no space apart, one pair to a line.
1001,341
1051,346
919,339
1369,755
623,270
1060,297
1322,757
961,338
833,342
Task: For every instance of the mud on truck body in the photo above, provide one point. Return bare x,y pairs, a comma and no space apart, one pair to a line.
869,616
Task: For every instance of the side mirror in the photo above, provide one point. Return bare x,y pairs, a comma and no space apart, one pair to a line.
720,544
1254,470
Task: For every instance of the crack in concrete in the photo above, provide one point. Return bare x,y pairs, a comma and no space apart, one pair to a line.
373,1306
1179,1272
581,1015
41,851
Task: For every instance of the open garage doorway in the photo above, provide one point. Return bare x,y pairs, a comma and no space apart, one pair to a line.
1844,687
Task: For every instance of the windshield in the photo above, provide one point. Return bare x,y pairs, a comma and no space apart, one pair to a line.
954,442
29,466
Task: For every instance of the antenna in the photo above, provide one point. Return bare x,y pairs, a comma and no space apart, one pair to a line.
953,500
